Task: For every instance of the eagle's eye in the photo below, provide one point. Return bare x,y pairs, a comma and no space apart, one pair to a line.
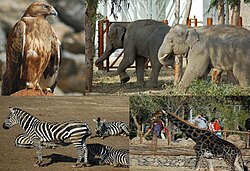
45,6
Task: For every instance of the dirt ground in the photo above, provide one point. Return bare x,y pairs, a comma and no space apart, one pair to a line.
59,109
109,82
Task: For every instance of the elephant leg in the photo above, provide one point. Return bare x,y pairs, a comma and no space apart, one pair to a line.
195,69
127,60
153,80
242,76
140,66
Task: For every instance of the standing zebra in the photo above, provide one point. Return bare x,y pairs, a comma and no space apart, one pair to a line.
108,155
39,131
105,129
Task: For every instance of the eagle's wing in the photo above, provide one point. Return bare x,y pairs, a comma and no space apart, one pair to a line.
14,59
50,74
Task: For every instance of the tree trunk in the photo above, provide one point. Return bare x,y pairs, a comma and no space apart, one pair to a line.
177,12
138,126
221,12
187,12
89,47
235,13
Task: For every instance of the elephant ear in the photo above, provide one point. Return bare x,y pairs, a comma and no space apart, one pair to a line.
120,32
191,37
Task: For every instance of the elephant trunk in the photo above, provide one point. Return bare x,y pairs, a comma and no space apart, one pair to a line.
108,51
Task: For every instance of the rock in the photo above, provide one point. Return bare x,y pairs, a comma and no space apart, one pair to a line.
74,42
30,92
73,83
234,138
136,141
162,142
70,12
3,39
61,30
184,143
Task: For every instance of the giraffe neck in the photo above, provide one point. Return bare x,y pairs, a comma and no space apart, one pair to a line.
191,131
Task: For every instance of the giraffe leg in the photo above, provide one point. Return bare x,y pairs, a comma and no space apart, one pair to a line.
237,163
230,164
198,157
198,162
210,165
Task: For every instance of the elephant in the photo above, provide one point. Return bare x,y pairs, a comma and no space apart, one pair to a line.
141,40
222,47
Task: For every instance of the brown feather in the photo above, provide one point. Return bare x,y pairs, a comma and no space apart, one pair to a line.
31,44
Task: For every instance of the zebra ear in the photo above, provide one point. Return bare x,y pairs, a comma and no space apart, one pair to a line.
95,120
10,109
104,120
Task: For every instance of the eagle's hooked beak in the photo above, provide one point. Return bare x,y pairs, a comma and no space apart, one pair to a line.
53,12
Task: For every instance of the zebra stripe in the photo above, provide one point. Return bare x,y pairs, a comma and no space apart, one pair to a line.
117,158
24,141
97,150
108,155
38,132
105,129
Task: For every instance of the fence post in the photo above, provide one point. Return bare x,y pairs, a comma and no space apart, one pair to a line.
190,22
165,21
240,21
195,22
100,41
247,139
209,21
107,30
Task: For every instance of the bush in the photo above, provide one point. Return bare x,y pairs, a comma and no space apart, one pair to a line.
207,88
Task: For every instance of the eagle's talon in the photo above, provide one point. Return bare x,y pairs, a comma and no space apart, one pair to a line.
47,90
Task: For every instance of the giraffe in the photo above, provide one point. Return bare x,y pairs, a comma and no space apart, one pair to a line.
208,145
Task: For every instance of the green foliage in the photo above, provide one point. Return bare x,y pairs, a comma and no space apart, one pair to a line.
207,88
232,110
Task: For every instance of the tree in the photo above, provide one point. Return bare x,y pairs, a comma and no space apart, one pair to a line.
177,12
221,12
89,41
90,25
235,7
219,5
187,12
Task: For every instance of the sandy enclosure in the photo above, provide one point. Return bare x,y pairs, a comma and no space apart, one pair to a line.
59,109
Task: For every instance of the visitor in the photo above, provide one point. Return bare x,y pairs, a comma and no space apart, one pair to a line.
201,121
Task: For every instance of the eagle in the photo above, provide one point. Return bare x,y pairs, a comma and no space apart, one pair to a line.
33,53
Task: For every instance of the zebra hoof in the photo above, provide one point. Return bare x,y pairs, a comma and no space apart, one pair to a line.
38,164
77,165
87,165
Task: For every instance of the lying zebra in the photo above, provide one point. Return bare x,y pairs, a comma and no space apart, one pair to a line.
108,155
105,129
22,140
39,132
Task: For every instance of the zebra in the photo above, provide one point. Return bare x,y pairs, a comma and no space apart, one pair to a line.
23,141
105,129
39,131
117,157
108,155
97,150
